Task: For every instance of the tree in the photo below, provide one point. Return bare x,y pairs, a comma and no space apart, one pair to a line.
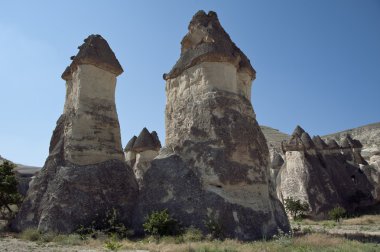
337,213
8,189
296,208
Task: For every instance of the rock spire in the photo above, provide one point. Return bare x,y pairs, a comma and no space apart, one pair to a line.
85,174
215,164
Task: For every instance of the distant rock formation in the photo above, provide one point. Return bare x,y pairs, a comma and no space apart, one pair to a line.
140,151
274,139
215,164
85,174
372,170
322,174
368,135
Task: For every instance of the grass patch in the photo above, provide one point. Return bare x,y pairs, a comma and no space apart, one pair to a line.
193,241
363,220
310,242
30,234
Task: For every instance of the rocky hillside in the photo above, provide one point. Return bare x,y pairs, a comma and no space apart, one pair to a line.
368,135
274,139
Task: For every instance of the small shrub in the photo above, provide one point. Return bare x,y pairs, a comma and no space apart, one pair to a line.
160,223
296,208
110,226
114,226
30,234
112,244
307,230
282,238
337,213
214,228
47,237
192,235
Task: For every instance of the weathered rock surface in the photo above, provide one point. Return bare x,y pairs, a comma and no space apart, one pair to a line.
372,170
368,135
274,139
140,151
215,164
85,174
323,175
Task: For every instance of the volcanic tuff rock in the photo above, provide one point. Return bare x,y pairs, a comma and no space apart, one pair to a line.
140,151
85,174
368,135
323,175
215,164
274,139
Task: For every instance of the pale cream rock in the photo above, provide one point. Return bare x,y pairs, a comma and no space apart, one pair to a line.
197,81
142,164
294,177
93,135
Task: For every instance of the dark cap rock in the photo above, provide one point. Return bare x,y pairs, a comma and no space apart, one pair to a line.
298,131
94,51
319,143
332,144
300,140
349,142
130,144
145,141
306,140
207,41
156,140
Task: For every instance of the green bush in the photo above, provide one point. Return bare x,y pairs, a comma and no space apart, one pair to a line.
112,244
214,228
30,234
8,190
160,223
192,235
296,208
337,213
110,226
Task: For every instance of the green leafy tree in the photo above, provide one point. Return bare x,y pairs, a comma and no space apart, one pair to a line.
337,213
8,190
296,208
160,223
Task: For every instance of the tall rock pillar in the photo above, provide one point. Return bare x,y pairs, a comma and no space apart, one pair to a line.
215,164
85,174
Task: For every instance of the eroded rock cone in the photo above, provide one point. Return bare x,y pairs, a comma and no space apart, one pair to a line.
322,175
215,165
140,151
85,174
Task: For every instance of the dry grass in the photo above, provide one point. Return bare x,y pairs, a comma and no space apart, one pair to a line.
310,242
363,220
318,240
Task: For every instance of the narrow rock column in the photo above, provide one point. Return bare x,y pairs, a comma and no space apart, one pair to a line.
215,165
85,174
140,151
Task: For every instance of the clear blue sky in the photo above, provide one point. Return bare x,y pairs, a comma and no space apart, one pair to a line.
317,62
